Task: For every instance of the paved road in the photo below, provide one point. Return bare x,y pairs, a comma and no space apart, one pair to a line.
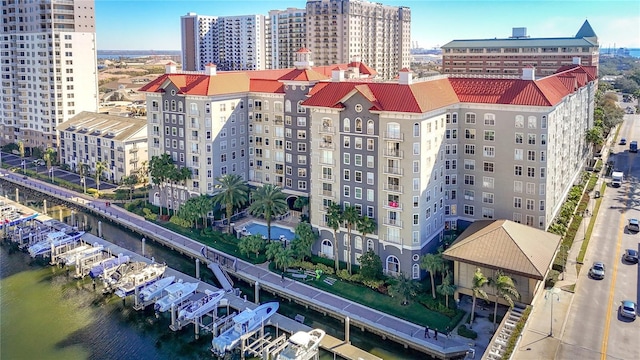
386,323
594,329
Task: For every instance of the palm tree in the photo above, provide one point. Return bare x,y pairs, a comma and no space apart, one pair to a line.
49,156
83,170
21,148
505,288
431,263
100,168
350,216
159,171
130,181
143,173
404,288
447,288
478,282
231,191
334,219
366,226
179,176
268,201
302,203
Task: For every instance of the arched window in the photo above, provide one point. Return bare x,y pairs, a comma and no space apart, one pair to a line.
327,248
265,105
369,245
543,122
346,125
358,243
180,106
370,128
300,108
415,271
166,105
287,106
173,105
358,125
416,130
345,240
519,121
393,265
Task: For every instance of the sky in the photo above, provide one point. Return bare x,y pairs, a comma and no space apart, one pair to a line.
155,24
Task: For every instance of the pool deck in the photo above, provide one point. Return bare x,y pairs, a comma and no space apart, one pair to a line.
287,223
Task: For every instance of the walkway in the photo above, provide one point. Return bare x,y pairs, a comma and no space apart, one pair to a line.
387,326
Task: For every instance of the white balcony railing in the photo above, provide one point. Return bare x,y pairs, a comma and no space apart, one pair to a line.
393,188
393,170
392,222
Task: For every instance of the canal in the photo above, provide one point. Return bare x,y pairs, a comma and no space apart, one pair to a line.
71,320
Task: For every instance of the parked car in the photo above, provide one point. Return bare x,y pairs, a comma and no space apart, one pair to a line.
628,309
634,225
630,255
623,141
597,270
38,162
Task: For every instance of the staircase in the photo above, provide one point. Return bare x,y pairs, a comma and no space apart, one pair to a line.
499,342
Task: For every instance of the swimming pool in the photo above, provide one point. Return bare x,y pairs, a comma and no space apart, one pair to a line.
276,231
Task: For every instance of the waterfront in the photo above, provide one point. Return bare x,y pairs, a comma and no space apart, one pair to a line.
105,321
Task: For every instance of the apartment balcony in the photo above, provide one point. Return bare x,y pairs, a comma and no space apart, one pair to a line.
393,170
133,161
392,205
133,150
392,222
393,136
326,177
327,193
393,188
326,161
326,145
392,239
393,153
326,130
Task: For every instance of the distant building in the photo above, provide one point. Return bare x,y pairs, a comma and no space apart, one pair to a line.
48,71
230,42
118,142
286,34
508,56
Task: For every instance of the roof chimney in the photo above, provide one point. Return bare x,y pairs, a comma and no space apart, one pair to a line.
528,73
210,69
577,60
406,77
337,74
170,68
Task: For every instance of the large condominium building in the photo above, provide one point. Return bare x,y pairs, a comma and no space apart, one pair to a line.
417,157
339,30
508,56
48,68
287,34
230,42
120,143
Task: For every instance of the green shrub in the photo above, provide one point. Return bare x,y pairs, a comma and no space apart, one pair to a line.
177,220
149,215
551,279
468,333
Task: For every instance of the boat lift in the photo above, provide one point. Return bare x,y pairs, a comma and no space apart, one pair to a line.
259,344
85,264
201,322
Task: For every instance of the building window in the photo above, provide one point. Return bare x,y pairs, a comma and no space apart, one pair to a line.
519,121
531,122
470,134
370,127
469,195
531,155
416,130
518,170
531,139
489,119
517,186
468,210
489,151
470,118
469,164
517,202
358,125
531,172
519,138
489,135
488,182
346,125
469,149
487,213
469,179
487,198
518,155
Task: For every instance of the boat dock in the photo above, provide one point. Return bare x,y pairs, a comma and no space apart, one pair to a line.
401,331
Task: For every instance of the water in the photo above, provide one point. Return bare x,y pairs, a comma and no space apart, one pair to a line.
46,314
276,231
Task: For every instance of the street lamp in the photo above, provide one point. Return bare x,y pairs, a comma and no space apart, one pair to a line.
24,167
51,173
550,294
84,184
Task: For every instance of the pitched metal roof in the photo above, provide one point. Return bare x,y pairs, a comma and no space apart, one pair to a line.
507,245
586,31
519,43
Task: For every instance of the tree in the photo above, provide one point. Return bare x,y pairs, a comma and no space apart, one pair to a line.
447,288
252,244
432,263
130,181
334,219
189,211
366,226
594,137
505,288
303,241
268,201
143,173
302,203
478,282
83,171
350,216
179,176
284,258
403,288
100,168
371,266
21,148
231,191
159,171
272,250
204,207
49,156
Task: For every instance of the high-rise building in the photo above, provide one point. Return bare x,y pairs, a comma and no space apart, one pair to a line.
508,56
286,34
48,68
341,30
418,157
229,42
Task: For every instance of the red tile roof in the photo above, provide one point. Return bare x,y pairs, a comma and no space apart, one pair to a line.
200,84
266,86
303,75
303,50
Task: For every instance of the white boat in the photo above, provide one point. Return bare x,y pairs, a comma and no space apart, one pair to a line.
114,276
79,252
176,293
135,280
55,239
243,323
107,264
153,291
10,216
203,303
302,345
